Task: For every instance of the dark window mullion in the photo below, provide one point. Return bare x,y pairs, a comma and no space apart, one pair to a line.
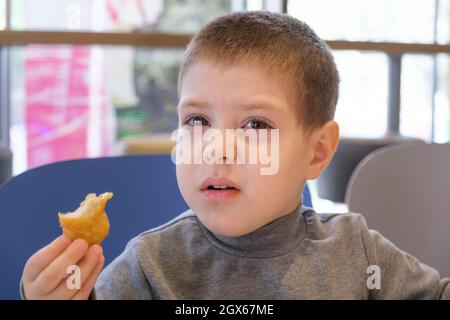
284,6
394,93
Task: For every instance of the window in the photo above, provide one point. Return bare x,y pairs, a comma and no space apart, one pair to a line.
131,90
185,16
78,101
362,109
441,116
416,96
2,14
382,20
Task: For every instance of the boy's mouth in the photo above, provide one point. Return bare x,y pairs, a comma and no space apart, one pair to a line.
218,189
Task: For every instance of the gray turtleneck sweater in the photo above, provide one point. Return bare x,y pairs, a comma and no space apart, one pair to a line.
303,255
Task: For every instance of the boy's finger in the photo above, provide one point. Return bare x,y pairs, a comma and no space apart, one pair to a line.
87,287
88,264
86,267
42,259
49,279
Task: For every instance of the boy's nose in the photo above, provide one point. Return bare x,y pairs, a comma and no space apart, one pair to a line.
226,144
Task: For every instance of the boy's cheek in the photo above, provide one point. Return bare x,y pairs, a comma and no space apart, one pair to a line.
185,179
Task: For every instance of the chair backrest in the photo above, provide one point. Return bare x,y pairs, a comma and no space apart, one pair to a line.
403,192
333,181
146,195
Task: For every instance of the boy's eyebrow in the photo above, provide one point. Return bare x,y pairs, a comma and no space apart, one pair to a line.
264,104
191,102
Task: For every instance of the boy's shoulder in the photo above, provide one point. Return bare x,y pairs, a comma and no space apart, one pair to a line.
323,225
349,226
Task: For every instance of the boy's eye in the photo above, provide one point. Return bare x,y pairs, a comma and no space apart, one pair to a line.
197,121
257,124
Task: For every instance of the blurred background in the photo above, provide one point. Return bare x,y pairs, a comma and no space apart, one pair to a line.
92,78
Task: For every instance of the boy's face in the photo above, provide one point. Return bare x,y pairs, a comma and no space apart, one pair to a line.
242,96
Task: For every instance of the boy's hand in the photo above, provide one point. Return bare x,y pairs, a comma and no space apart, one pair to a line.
45,273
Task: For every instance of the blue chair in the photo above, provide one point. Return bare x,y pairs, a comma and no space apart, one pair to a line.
146,195
307,202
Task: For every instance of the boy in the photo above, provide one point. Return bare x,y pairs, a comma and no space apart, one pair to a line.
246,236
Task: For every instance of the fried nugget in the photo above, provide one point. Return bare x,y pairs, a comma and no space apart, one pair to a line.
89,221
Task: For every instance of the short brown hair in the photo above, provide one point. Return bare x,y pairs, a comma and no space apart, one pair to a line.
281,43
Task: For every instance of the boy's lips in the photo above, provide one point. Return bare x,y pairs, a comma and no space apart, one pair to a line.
218,188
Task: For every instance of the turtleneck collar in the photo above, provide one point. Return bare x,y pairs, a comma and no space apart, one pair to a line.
275,238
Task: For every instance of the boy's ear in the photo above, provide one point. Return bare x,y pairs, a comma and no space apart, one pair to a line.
322,147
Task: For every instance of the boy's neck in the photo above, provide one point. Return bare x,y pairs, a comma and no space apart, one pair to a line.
273,239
